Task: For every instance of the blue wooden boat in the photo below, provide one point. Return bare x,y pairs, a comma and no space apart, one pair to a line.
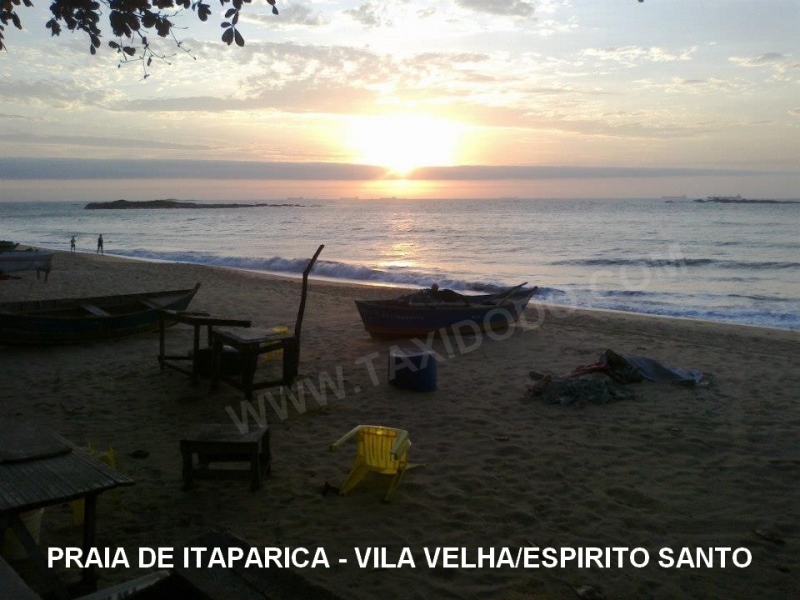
79,320
420,313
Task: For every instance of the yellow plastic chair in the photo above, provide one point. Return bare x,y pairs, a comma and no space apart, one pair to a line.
381,450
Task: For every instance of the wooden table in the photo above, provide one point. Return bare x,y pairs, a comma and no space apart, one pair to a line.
251,344
226,444
198,321
39,468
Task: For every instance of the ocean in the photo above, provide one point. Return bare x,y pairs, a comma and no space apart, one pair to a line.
734,263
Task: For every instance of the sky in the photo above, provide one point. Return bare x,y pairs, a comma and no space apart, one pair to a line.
417,99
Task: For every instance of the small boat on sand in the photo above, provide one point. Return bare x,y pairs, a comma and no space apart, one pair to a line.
79,320
12,260
433,309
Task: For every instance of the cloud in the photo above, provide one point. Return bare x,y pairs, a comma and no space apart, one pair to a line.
631,55
60,93
299,78
368,15
72,169
18,139
697,87
769,58
484,173
506,8
292,15
448,59
779,64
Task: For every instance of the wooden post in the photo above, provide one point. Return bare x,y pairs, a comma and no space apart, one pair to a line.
161,336
304,292
37,558
89,535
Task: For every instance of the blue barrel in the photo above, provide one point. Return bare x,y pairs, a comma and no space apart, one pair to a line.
412,369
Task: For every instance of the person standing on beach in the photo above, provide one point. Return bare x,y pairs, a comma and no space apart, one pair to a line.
100,244
72,244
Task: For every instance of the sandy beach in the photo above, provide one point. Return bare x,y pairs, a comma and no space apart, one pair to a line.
672,468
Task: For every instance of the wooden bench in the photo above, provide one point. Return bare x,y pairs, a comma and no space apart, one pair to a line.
225,444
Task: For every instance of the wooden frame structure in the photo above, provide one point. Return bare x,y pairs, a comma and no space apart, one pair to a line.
251,344
46,479
197,321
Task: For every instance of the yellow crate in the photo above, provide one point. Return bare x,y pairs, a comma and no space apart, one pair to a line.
275,354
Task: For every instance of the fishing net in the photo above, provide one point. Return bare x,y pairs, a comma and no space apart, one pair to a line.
568,391
576,388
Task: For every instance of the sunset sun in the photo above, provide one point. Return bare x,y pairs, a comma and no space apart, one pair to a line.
403,143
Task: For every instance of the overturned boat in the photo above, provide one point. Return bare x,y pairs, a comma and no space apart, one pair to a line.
433,309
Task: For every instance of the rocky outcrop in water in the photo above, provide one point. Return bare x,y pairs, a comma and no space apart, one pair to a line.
170,203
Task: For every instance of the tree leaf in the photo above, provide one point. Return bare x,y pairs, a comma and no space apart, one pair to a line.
227,36
238,37
163,26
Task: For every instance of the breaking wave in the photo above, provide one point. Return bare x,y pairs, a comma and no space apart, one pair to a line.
398,276
676,262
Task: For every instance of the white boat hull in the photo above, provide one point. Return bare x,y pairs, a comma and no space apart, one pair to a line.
22,260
